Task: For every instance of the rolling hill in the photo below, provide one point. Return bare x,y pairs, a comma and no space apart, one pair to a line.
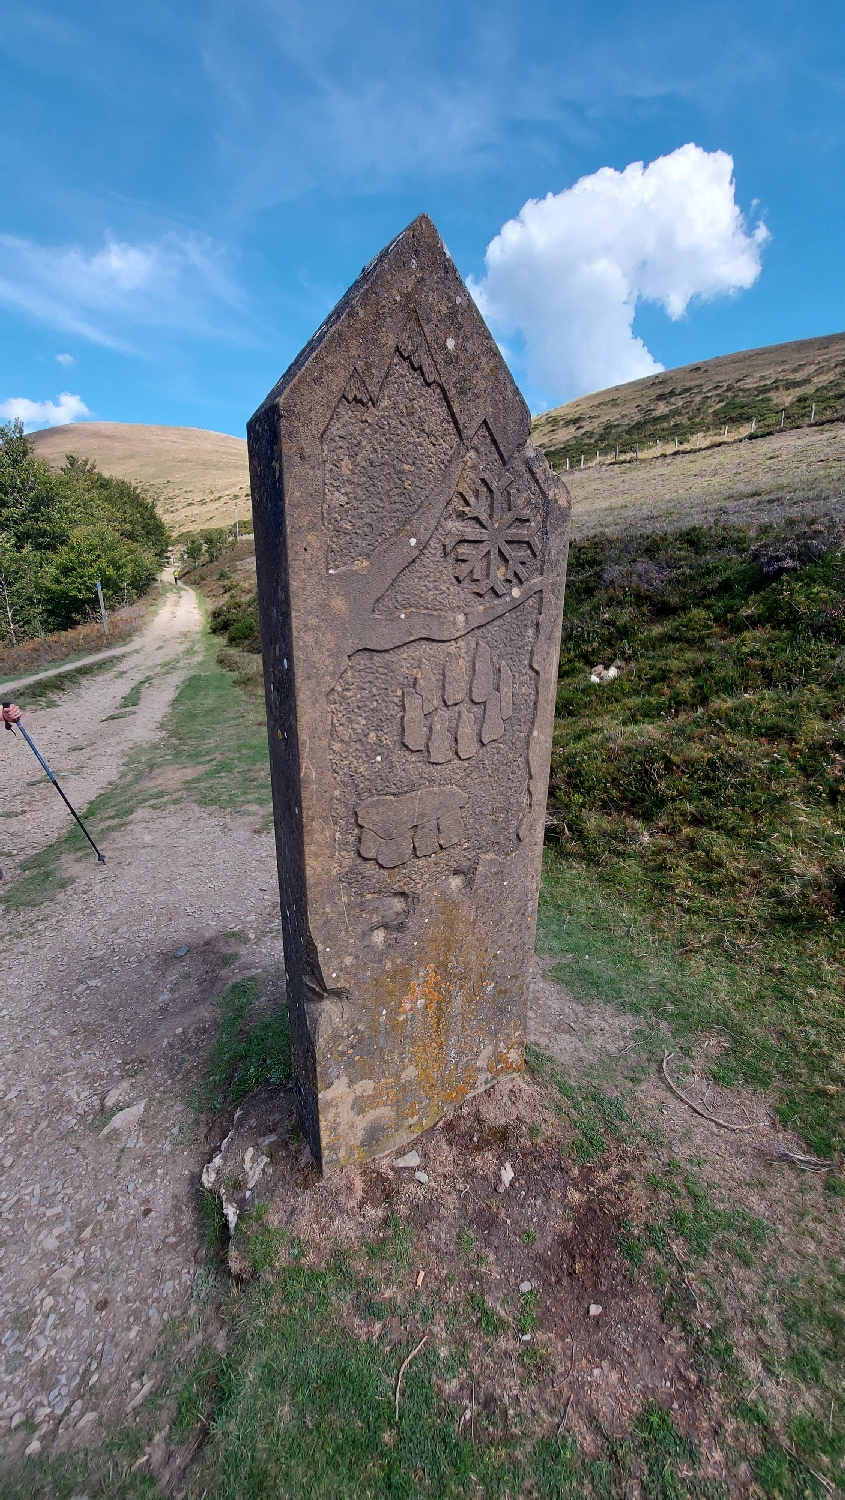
699,474
803,381
197,478
200,478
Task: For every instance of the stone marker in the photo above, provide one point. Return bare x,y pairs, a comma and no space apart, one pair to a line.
411,551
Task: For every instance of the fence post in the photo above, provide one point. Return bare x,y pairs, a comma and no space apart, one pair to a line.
698,440
782,415
813,414
103,615
657,449
726,432
582,460
753,425
567,466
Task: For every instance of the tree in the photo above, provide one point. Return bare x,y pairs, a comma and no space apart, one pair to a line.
60,532
215,541
94,553
194,550
21,587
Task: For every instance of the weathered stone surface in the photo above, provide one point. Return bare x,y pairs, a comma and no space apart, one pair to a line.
411,550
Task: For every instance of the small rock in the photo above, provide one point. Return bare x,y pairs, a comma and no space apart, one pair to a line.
33,1449
413,1159
180,952
87,1419
526,1286
136,1399
506,1173
255,1170
595,1309
17,1419
421,1176
125,1120
119,1092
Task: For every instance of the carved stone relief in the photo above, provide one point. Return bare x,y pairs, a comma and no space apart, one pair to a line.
411,555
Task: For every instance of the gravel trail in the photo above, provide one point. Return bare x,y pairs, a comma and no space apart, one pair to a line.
105,1032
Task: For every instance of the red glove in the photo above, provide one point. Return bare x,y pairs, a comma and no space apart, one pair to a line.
11,713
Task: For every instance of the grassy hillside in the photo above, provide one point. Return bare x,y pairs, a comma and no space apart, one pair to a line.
801,472
198,479
804,381
703,791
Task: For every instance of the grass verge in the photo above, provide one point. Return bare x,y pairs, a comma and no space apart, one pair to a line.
252,1048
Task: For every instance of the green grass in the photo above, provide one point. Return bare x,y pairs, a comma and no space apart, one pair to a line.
696,872
102,1473
597,1117
301,1407
252,1047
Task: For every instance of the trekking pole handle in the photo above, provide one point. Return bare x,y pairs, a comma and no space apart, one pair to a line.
8,704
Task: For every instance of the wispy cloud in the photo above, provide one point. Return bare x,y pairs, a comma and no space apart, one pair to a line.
116,295
327,95
37,414
567,274
65,359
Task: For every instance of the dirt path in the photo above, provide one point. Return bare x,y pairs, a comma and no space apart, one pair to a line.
85,737
14,685
100,1234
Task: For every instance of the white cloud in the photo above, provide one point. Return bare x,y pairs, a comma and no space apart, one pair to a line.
568,273
65,359
119,293
36,414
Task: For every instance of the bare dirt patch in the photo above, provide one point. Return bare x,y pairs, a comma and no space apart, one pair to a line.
560,1332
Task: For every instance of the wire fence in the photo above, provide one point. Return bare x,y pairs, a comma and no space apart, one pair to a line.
659,447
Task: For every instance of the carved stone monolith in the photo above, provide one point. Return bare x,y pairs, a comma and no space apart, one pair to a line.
411,551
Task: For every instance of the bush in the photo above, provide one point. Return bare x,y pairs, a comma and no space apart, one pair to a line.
61,532
238,620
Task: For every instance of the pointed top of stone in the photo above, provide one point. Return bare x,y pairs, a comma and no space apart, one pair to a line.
411,298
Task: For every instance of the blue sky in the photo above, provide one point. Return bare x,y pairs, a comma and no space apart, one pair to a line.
187,189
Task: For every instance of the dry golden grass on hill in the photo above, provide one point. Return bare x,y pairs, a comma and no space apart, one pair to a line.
739,484
198,478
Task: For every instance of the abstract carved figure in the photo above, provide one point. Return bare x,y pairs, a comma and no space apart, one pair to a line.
411,551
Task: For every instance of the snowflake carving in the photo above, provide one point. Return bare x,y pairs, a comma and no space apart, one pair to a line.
495,538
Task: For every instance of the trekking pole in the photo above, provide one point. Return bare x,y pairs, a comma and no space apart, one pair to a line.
37,753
